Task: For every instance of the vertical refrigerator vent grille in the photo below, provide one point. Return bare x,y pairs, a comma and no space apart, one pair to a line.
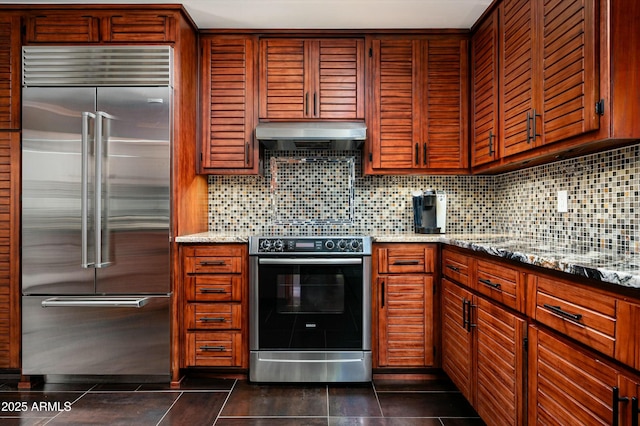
62,66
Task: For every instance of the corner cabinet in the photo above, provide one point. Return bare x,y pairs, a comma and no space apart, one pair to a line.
309,79
417,106
213,294
229,90
483,341
554,64
403,305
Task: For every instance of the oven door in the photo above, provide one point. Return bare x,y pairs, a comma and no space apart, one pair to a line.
311,304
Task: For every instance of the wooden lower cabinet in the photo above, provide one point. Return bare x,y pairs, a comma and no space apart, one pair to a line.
484,354
573,386
403,305
214,307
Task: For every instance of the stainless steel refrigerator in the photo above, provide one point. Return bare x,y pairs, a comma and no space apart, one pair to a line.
95,212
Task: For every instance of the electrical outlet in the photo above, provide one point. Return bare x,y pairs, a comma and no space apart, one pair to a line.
562,202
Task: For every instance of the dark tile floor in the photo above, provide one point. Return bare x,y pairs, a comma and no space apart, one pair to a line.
203,401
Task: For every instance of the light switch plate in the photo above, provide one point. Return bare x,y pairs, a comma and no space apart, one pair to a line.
562,202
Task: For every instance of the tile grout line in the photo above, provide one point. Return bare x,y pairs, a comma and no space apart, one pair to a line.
235,382
76,400
175,401
375,392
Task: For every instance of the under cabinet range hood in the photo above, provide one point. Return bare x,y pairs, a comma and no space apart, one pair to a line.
291,136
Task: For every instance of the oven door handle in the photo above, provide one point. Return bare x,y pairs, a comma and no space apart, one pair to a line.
310,261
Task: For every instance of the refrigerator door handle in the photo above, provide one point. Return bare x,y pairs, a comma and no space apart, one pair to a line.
96,302
101,192
84,198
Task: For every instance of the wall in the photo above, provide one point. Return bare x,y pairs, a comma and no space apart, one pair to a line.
603,195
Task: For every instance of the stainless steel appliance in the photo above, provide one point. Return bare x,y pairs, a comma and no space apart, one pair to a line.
429,211
310,309
95,210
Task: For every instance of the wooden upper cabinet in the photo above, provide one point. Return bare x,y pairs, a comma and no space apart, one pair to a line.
228,83
9,73
418,106
302,79
485,104
75,26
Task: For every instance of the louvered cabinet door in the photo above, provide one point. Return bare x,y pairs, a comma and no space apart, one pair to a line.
484,49
10,250
405,321
445,137
521,98
228,85
9,72
340,82
457,338
500,365
570,73
394,120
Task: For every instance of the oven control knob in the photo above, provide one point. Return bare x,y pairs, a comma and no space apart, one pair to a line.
342,245
355,245
265,245
277,245
329,244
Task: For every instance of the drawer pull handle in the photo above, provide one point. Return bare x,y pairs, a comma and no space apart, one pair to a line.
212,319
406,262
212,348
489,283
453,268
212,263
213,290
558,310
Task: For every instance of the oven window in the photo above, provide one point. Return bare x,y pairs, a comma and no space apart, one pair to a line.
312,292
310,307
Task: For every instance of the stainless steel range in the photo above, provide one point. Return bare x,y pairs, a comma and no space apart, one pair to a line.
310,309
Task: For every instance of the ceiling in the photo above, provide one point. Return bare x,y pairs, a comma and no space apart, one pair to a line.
318,14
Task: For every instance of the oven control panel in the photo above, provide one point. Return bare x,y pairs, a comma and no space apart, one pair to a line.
310,245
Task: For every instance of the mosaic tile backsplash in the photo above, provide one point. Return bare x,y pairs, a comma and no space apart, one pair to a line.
603,202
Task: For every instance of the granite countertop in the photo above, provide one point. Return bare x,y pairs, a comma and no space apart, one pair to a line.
595,264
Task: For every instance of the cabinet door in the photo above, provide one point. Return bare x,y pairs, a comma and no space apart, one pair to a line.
405,321
340,81
139,28
70,27
10,248
393,120
228,89
457,338
484,49
627,344
446,107
500,365
570,69
520,98
628,394
567,385
9,73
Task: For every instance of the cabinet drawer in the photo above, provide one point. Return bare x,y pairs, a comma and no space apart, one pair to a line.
213,260
140,28
455,266
213,288
406,258
500,283
577,312
213,316
214,349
